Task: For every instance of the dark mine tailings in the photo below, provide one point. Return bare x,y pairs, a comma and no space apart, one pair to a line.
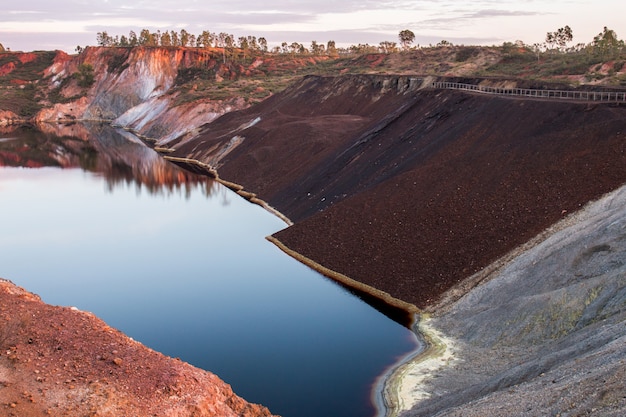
412,190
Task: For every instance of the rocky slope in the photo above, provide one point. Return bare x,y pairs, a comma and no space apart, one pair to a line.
63,362
158,92
133,88
542,334
410,190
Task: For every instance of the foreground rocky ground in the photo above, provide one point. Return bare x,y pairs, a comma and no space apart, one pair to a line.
63,362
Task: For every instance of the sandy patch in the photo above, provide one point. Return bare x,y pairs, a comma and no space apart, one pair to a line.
404,387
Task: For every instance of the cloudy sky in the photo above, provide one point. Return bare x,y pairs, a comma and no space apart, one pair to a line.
63,24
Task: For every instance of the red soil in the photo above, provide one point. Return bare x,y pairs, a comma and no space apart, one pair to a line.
63,362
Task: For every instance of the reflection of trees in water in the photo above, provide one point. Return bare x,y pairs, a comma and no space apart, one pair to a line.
29,147
118,156
161,178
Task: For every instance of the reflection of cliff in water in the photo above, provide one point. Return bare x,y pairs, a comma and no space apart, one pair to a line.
118,156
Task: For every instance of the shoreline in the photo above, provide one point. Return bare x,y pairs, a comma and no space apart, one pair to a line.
401,384
380,395
393,389
386,393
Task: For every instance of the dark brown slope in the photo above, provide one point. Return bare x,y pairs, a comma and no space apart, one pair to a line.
300,131
411,191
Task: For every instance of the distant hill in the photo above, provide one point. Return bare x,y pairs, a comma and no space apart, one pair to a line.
208,74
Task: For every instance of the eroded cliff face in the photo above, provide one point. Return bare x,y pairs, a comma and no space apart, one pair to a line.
133,88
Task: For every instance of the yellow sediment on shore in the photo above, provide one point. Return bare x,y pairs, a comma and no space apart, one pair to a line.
405,386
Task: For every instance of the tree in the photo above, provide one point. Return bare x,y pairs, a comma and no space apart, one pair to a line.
184,37
244,45
537,48
145,38
166,39
606,44
331,48
263,44
205,39
317,48
1,48
560,38
174,38
224,41
388,47
243,42
103,39
297,48
253,43
406,38
132,39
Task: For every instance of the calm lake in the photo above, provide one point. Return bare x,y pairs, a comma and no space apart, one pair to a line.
93,218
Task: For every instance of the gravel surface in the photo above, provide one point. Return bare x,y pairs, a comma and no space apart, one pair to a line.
544,334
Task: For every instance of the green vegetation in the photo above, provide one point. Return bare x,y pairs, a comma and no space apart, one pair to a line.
539,61
406,38
599,60
29,71
117,60
21,100
20,75
85,75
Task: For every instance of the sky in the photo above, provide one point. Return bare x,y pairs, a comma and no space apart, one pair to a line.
28,25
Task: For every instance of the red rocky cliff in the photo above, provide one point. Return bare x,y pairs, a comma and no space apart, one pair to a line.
133,88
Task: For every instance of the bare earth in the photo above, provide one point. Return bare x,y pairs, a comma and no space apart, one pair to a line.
59,361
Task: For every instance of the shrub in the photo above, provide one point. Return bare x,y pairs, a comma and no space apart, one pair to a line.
85,75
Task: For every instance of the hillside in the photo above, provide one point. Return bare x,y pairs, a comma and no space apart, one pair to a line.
409,189
177,82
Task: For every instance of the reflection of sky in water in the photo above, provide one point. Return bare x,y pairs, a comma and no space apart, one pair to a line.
192,276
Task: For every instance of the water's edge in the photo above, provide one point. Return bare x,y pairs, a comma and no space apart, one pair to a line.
385,395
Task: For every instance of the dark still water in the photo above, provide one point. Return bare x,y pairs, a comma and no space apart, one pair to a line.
92,218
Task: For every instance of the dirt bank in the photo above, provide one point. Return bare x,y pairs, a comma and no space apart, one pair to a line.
63,362
411,190
423,194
